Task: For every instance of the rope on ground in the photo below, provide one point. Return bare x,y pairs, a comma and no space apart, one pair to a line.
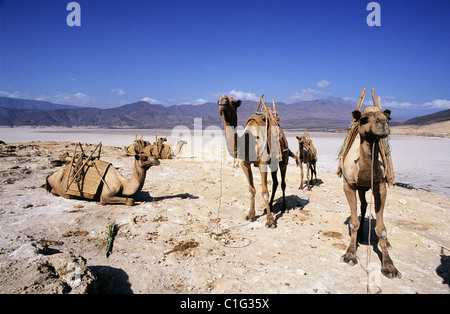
223,237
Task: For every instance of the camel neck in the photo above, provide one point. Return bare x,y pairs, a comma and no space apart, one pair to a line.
366,147
138,179
230,136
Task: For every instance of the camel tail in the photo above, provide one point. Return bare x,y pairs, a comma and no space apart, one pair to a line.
291,154
47,185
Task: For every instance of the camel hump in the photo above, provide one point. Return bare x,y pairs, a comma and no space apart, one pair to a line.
89,182
371,109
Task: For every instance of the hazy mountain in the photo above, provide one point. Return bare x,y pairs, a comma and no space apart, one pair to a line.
440,116
329,113
13,107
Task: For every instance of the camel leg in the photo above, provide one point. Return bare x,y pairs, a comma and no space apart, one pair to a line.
362,199
251,188
112,199
350,256
307,175
315,173
388,269
283,169
312,173
270,223
301,181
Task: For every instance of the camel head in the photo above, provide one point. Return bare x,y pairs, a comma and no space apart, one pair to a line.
228,109
144,161
303,142
373,122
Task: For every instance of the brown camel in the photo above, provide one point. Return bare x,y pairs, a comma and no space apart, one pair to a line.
115,189
157,149
306,155
359,176
252,149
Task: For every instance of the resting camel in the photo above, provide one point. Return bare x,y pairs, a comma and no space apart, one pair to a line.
257,148
306,156
116,189
357,173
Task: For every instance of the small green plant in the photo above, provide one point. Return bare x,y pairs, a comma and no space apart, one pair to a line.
112,231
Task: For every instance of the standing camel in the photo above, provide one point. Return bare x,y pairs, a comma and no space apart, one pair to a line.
114,189
255,146
306,155
359,176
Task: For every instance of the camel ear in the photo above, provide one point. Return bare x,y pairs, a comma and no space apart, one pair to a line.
387,113
356,115
236,103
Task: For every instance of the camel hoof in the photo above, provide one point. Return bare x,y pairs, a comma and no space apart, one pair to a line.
350,259
271,225
130,202
250,218
388,245
390,272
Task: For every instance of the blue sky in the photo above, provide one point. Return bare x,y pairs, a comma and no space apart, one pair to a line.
192,51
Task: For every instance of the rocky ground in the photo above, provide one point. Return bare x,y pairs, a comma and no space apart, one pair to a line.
188,233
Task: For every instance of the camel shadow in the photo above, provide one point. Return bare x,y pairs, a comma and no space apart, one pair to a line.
364,239
443,270
111,280
292,202
144,196
312,183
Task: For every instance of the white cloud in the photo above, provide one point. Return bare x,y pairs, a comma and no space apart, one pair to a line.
199,101
395,104
243,95
149,100
308,94
77,99
117,91
15,94
438,104
434,104
323,84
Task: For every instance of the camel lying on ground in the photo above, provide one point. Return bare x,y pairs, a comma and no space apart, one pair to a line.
113,187
359,176
157,149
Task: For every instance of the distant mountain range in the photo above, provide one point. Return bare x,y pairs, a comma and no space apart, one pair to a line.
430,118
330,113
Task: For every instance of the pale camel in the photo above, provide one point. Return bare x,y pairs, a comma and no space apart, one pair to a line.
358,176
306,156
254,151
116,189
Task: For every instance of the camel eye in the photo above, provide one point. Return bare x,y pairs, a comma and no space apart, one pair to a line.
364,120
